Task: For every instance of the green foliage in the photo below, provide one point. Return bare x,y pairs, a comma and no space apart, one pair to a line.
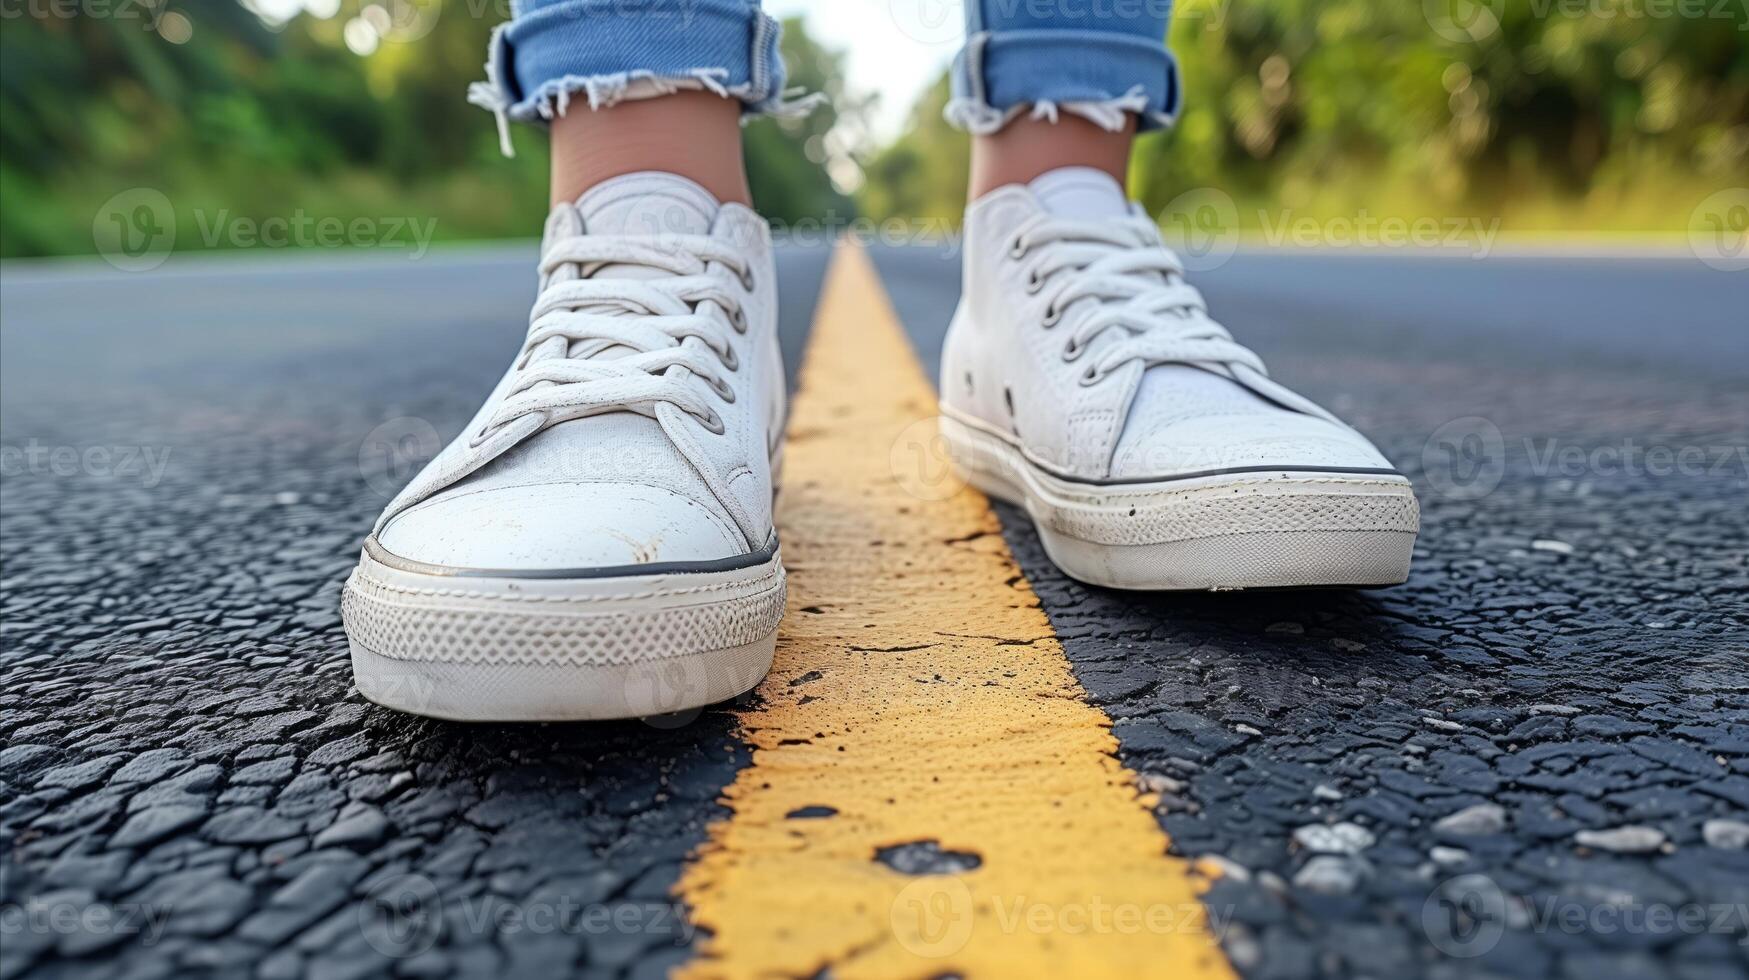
1556,115
923,174
260,123
786,156
1551,114
1597,115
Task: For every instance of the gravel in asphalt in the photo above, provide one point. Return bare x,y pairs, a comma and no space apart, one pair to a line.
189,787
1534,729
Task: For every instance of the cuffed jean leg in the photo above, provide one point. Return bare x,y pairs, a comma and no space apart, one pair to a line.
553,53
1099,59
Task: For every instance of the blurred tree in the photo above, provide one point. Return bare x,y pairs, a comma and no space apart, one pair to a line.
227,111
787,157
1607,114
923,174
1604,115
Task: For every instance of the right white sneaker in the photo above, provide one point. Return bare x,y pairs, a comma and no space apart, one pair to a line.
1083,379
598,542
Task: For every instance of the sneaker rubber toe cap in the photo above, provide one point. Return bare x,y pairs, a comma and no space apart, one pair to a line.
554,527
1211,444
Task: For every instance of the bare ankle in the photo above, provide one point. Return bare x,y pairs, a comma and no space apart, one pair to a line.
1026,148
694,134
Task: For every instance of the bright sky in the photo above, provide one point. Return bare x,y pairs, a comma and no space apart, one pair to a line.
893,47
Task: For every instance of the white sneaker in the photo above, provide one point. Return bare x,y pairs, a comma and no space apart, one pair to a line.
598,542
1083,379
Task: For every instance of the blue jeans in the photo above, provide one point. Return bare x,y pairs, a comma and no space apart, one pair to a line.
1100,59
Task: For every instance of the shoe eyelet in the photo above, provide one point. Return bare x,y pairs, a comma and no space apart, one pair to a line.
1016,249
713,423
1052,317
746,277
1090,377
738,320
721,387
1033,283
1073,351
730,359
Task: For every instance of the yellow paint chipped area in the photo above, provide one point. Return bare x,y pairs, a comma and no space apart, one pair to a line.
920,693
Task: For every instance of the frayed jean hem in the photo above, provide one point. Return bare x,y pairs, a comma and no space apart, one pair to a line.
754,77
1103,78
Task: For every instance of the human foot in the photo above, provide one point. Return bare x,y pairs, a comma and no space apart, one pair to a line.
1083,379
598,542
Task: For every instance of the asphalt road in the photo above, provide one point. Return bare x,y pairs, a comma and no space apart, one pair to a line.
189,787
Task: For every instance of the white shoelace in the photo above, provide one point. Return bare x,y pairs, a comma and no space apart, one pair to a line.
1135,285
675,321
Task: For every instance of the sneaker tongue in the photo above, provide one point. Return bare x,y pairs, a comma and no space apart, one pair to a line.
647,204
1080,192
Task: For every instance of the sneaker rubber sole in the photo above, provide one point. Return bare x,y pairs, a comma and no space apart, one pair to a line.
470,645
1268,529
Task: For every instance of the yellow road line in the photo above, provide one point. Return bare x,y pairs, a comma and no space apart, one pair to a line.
920,694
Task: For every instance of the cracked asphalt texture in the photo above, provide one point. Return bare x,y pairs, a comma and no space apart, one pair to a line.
1397,783
1571,647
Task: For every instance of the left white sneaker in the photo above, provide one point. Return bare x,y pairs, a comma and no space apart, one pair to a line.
1083,379
598,543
